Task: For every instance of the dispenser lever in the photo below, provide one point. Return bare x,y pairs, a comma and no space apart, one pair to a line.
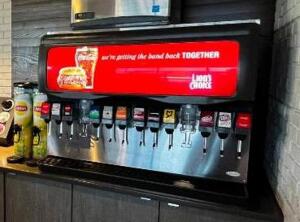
56,114
84,120
223,128
154,125
139,123
242,130
108,121
205,126
188,118
122,118
94,116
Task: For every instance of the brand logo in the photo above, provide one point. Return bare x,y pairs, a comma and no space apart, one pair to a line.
233,174
224,118
87,54
21,108
201,82
84,57
37,109
207,119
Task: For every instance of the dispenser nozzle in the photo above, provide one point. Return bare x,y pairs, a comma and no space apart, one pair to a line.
188,117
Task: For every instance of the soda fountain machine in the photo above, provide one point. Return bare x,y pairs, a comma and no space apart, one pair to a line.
161,107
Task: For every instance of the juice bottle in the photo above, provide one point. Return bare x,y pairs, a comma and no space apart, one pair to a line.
39,127
22,122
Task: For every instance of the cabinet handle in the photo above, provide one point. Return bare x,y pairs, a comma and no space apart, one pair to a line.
173,205
11,174
145,198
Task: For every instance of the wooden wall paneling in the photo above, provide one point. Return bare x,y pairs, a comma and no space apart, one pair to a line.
31,19
25,61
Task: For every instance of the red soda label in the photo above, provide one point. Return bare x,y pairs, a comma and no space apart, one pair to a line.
243,121
207,119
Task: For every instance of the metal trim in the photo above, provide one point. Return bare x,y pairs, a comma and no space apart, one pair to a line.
184,25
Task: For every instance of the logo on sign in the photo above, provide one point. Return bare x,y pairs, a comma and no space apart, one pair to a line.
201,82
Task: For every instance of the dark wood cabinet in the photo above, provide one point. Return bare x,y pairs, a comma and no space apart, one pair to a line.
177,213
31,199
91,204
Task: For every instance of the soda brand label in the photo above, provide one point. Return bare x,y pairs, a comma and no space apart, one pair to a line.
243,121
107,112
169,116
139,114
121,113
56,109
225,120
207,119
154,117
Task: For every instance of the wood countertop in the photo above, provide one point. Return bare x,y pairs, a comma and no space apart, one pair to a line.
9,151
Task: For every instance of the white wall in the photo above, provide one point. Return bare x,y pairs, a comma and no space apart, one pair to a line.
283,142
5,48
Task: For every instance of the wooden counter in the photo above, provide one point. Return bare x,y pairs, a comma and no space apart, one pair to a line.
9,151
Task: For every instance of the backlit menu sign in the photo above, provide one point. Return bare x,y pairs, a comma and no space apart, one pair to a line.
203,68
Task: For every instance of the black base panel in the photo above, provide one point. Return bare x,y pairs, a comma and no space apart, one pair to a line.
200,189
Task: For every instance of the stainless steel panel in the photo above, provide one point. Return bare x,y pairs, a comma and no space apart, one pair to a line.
183,25
120,8
178,160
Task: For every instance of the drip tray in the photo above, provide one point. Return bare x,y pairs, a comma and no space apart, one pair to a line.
175,184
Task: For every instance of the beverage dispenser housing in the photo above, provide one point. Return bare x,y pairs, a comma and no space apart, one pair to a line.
164,77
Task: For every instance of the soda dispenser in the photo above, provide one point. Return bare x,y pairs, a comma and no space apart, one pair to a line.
159,105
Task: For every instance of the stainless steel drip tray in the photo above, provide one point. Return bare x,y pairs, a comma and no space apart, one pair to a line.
179,185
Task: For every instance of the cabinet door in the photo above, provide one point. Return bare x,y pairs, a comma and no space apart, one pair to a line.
1,197
91,204
177,213
31,199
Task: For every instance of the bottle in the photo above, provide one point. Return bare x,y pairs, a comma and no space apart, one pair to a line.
39,127
22,122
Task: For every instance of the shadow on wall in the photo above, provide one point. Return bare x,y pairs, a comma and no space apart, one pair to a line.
284,116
